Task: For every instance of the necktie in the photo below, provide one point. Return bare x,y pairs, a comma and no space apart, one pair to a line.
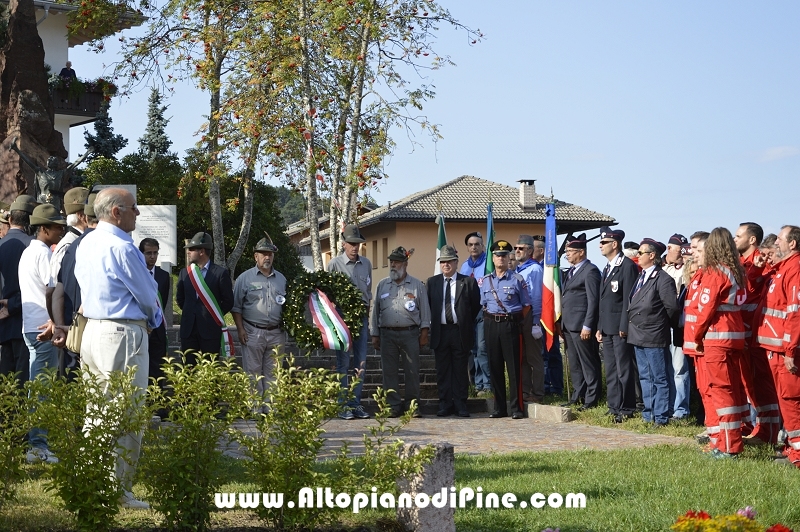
569,273
448,310
639,282
606,270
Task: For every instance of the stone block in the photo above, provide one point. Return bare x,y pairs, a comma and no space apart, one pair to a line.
437,475
550,413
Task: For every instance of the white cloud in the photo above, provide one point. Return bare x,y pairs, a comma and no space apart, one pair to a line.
778,152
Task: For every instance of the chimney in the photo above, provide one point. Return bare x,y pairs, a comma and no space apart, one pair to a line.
527,194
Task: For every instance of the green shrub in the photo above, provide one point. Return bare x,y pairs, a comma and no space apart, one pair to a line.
14,404
285,450
181,466
84,420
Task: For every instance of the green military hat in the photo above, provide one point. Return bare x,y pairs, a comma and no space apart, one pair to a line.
265,244
88,210
448,253
200,240
400,254
352,235
47,214
525,240
75,199
25,203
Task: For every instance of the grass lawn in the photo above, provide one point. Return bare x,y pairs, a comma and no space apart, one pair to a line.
626,490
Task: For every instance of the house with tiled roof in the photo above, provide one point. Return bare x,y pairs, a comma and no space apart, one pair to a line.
410,221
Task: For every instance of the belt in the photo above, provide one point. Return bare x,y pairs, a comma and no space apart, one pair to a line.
449,325
264,327
409,328
515,317
140,323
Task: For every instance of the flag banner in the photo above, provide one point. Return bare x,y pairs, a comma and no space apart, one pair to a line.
440,241
213,308
551,292
335,333
489,268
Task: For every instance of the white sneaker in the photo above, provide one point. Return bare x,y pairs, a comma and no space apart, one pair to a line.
129,501
37,454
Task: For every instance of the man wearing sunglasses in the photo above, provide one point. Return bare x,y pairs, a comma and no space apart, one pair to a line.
619,360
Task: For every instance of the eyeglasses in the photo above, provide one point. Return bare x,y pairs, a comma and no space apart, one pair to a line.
643,252
523,248
134,207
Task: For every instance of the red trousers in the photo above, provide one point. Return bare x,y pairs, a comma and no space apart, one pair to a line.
720,383
788,388
759,386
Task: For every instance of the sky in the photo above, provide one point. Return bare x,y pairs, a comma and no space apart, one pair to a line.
670,116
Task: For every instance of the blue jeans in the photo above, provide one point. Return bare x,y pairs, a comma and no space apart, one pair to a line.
553,367
682,383
42,355
480,356
655,372
359,364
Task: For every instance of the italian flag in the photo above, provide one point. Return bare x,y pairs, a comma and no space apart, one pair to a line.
441,241
551,292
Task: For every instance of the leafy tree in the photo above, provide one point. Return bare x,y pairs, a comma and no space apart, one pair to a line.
104,141
155,141
292,205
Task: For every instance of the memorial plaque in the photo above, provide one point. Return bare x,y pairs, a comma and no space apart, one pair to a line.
159,222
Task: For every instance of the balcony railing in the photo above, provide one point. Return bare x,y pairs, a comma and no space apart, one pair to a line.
87,104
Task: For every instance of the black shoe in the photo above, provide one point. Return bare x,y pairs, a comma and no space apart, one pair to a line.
618,418
463,413
444,412
568,404
395,413
495,415
517,415
584,408
417,413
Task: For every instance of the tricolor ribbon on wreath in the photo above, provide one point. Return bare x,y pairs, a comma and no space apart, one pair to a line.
335,333
213,308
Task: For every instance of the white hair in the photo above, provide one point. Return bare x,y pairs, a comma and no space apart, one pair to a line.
72,220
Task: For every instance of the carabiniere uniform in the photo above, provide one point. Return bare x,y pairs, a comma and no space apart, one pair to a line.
503,300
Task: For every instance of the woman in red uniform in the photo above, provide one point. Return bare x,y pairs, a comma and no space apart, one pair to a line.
715,331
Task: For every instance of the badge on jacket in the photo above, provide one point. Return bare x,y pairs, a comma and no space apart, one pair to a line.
614,286
279,299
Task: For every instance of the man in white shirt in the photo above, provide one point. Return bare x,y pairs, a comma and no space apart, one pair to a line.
74,205
34,283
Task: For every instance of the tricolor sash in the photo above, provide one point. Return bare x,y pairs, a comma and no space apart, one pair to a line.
335,333
213,308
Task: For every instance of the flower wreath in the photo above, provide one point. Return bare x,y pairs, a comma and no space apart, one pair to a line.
338,288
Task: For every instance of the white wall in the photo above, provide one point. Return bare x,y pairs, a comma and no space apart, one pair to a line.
53,32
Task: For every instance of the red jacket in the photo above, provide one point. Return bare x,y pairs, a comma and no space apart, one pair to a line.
756,281
713,313
779,327
690,314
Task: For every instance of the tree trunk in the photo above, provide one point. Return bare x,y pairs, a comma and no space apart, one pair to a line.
310,174
247,215
339,188
349,203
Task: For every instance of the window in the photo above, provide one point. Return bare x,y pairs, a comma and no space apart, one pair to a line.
374,254
385,253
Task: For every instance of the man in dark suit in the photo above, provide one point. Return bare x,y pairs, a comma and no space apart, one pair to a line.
616,284
158,337
455,302
579,308
651,312
199,329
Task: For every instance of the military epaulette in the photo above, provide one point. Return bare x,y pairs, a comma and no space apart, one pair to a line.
480,279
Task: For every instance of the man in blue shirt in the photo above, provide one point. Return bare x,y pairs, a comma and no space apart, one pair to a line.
532,361
475,267
505,300
120,302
